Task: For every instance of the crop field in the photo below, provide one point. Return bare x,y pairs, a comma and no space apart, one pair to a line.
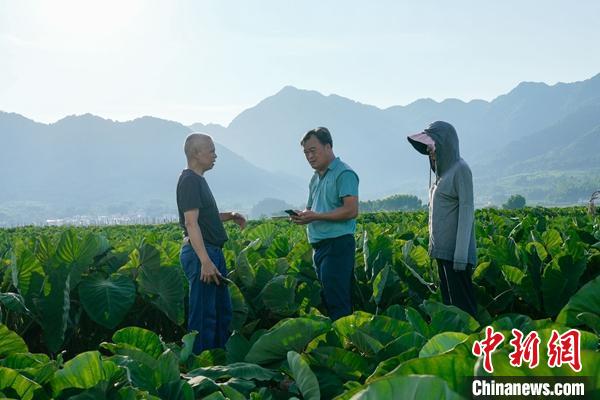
99,312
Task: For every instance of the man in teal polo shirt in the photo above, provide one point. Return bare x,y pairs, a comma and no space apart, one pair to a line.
330,216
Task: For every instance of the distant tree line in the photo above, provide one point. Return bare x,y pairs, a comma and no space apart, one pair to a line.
397,202
514,202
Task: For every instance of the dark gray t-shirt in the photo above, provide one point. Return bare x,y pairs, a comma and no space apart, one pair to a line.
193,192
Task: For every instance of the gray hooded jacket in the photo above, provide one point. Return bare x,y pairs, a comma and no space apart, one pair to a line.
451,208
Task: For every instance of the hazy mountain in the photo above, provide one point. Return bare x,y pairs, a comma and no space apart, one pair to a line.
539,140
216,129
373,140
571,143
84,163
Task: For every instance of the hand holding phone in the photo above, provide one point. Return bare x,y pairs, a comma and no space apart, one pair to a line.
291,212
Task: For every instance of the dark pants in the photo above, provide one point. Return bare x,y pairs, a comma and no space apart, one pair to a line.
209,305
334,263
457,287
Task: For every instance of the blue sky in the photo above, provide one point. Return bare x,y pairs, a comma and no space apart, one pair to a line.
206,61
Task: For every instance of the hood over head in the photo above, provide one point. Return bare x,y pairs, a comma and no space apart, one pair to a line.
445,144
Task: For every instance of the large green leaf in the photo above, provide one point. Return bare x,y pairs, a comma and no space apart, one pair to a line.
107,300
176,390
78,253
53,308
237,347
203,385
403,387
134,393
364,342
388,365
363,329
417,321
507,322
279,295
239,308
418,255
347,364
400,345
73,250
138,350
37,367
139,373
591,320
166,290
586,300
451,367
168,368
143,339
349,328
449,318
10,342
522,285
560,280
230,392
243,269
14,302
208,358
395,311
291,334
239,370
441,343
142,360
188,346
84,371
215,396
25,388
26,272
330,384
379,284
303,376
144,256
552,241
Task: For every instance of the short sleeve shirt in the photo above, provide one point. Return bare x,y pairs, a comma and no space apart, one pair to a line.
193,192
326,193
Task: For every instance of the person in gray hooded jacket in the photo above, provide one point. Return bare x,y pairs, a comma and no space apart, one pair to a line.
451,214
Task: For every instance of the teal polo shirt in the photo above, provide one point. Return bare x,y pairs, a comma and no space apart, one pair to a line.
325,193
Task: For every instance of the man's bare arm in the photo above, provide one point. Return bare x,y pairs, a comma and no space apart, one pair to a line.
235,217
208,271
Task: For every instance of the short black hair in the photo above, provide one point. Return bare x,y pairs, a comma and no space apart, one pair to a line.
321,133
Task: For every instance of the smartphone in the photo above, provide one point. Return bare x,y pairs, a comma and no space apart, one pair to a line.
291,212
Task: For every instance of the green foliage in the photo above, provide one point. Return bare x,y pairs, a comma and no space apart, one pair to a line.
120,289
305,379
289,334
583,307
397,202
405,387
107,300
10,342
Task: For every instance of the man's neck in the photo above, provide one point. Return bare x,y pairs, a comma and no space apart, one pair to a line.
196,169
322,172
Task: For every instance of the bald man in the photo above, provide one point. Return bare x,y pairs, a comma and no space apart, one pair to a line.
201,254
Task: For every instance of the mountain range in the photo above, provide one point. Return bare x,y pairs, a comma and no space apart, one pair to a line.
535,128
538,140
